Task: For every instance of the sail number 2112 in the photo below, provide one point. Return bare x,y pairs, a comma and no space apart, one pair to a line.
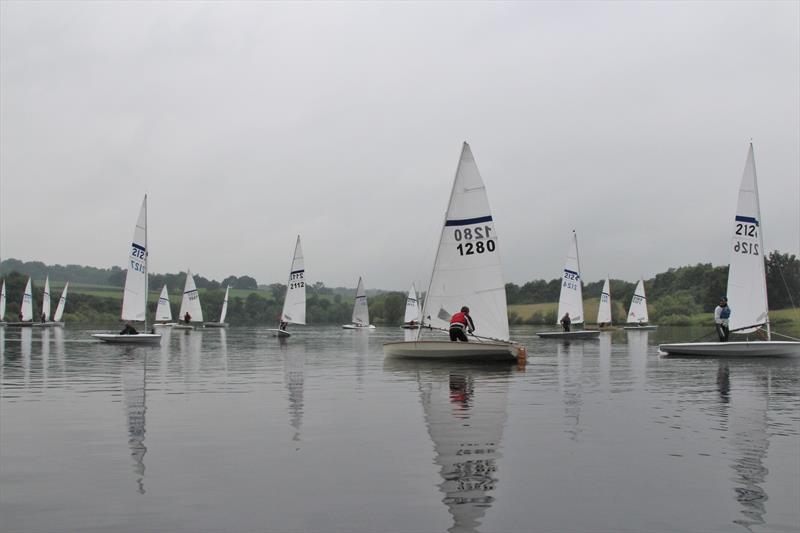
475,240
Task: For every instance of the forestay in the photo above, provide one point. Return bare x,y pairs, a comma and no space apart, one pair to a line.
360,309
191,300
747,288
163,309
638,310
62,302
412,306
26,310
467,270
224,306
294,305
46,299
134,300
604,309
570,299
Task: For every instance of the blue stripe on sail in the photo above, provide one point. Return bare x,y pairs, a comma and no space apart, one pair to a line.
604,294
296,272
568,271
190,292
138,246
468,221
357,297
749,220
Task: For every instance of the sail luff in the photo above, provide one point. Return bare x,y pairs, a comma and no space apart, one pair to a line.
62,302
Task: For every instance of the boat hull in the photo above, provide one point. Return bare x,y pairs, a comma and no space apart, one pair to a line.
732,349
640,328
356,326
279,333
48,324
215,325
570,335
164,324
409,326
183,326
474,351
139,338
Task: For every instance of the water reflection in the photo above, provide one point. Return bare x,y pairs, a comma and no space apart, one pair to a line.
294,376
360,349
45,356
26,344
637,353
134,384
465,410
570,377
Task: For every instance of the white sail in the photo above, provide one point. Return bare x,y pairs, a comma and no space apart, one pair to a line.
134,301
604,309
163,309
294,304
360,308
26,310
747,287
191,300
570,299
3,301
638,310
61,303
412,306
46,299
224,306
467,270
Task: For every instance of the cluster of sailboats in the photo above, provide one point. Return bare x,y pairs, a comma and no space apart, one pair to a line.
467,272
26,318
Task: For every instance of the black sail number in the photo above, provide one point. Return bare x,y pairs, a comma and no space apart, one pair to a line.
474,240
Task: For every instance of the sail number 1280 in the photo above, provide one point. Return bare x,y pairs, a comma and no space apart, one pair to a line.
481,235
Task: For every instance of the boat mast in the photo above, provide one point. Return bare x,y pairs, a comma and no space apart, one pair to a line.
146,263
580,273
761,242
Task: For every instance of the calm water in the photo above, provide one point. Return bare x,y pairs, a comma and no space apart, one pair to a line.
232,431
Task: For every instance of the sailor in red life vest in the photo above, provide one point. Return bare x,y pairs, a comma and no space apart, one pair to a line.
458,323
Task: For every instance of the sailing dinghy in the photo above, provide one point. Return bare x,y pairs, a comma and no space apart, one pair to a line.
190,304
26,308
360,310
3,304
413,312
163,309
466,272
221,323
294,303
62,302
637,312
747,285
570,299
45,316
134,299
604,307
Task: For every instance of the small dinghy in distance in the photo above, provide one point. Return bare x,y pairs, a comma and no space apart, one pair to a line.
45,316
747,285
222,314
294,303
638,317
413,312
62,302
134,299
570,298
164,310
26,309
360,309
190,303
466,272
3,304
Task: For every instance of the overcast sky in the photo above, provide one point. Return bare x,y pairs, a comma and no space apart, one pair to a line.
248,123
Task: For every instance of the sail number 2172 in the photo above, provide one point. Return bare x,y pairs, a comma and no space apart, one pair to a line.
476,240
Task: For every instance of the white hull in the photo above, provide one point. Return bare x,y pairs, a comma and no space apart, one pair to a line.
357,326
573,335
183,326
165,324
215,325
640,328
476,351
139,338
279,333
733,349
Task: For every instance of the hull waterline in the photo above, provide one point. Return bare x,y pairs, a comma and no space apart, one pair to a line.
475,351
732,349
140,338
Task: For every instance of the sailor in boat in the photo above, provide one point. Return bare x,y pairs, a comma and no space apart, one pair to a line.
458,323
187,318
566,321
44,318
282,325
722,315
128,330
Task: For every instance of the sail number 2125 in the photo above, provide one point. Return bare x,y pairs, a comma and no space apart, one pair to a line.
476,240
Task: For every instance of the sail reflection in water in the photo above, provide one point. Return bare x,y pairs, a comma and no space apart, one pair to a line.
294,361
465,412
134,380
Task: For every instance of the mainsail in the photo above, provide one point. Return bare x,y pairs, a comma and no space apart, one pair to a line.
570,299
294,305
638,310
191,300
163,309
26,310
134,301
604,309
360,308
412,306
747,287
46,300
224,305
61,303
467,270
3,301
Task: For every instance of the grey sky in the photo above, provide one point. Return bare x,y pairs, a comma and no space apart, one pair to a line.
248,123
